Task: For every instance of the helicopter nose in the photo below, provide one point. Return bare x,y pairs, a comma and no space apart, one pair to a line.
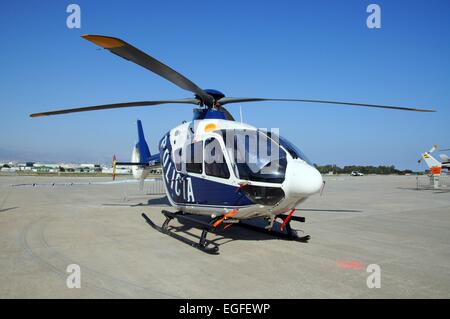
302,179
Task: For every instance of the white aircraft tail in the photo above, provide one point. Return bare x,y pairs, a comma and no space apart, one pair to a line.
434,165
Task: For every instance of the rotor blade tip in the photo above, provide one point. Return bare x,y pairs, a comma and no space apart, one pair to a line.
37,115
104,41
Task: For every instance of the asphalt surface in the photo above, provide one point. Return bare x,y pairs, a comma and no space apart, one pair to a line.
358,221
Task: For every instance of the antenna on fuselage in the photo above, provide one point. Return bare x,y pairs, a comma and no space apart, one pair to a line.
240,113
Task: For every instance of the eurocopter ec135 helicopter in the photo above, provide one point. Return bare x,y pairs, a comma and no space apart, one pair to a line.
216,166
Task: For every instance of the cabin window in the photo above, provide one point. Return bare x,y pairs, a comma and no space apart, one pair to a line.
215,163
194,158
177,156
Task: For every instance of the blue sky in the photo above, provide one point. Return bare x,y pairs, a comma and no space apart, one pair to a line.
290,49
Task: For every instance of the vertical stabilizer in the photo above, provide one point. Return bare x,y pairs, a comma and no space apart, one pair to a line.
434,165
142,146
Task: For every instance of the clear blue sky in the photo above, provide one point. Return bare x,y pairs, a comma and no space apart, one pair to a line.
291,49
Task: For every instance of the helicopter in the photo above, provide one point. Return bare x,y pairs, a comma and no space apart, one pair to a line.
227,171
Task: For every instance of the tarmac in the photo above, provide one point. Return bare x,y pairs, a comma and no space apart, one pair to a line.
357,222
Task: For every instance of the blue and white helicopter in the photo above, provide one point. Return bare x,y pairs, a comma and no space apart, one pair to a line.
218,167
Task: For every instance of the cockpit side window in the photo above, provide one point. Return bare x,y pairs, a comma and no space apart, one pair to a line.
194,158
293,150
215,162
178,158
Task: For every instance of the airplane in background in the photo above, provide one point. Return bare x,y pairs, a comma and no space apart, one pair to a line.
433,164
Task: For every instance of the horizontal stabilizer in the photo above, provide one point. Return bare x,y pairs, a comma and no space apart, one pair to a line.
131,164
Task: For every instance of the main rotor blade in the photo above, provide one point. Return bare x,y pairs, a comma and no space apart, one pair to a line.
130,53
116,106
228,100
228,115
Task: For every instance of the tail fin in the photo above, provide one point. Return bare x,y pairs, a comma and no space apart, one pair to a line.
142,146
434,165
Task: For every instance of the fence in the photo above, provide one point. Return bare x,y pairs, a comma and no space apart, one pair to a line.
433,182
155,186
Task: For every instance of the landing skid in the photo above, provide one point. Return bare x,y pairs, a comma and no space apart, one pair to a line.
203,244
211,248
290,234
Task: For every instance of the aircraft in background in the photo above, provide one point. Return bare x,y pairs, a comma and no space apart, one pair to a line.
433,164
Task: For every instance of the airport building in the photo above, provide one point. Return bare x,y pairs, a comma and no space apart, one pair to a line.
33,167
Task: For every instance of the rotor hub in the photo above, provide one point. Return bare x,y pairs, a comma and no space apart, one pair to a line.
217,95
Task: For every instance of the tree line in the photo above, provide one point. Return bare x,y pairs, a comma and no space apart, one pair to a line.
382,170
